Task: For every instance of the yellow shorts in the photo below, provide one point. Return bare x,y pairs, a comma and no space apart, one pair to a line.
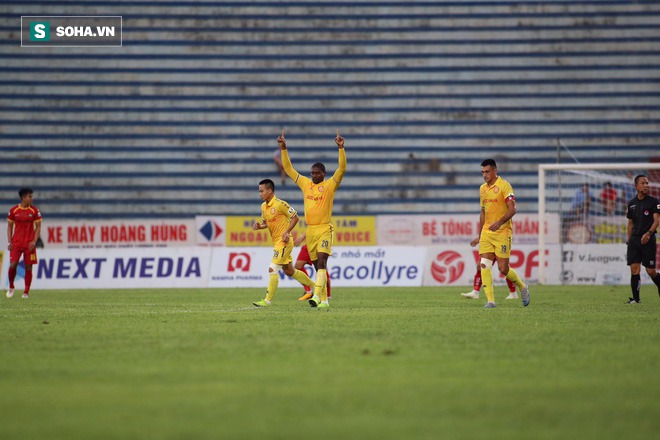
282,252
319,239
498,244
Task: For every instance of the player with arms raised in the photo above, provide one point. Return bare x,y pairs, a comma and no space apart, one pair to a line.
498,206
280,219
319,195
23,230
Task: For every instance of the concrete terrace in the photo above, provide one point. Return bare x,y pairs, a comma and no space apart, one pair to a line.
183,119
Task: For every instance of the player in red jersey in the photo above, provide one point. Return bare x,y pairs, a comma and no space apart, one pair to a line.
302,260
23,229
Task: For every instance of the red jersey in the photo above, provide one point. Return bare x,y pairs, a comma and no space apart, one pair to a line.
609,194
23,220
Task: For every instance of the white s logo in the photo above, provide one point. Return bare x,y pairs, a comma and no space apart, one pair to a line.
39,31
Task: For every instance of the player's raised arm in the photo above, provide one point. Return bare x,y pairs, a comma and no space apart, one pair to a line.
341,170
286,162
281,141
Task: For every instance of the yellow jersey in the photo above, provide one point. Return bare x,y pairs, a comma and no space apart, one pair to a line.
493,202
318,198
277,214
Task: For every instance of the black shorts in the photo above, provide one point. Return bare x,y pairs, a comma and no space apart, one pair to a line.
641,253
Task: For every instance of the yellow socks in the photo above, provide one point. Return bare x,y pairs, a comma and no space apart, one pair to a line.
487,283
319,288
272,286
302,278
515,279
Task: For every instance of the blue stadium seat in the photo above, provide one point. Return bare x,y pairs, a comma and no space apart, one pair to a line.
183,118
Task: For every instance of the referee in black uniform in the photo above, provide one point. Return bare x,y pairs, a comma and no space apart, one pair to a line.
643,215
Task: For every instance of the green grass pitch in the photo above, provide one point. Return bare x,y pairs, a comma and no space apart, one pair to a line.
383,363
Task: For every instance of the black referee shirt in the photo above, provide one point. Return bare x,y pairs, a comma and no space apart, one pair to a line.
641,212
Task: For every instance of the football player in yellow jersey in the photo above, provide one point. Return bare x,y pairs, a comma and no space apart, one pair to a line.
319,195
280,219
498,206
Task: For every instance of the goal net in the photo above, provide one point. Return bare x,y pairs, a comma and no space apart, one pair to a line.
590,202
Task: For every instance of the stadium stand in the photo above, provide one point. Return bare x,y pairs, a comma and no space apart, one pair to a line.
182,119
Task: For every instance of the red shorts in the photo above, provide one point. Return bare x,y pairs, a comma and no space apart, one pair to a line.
303,255
29,256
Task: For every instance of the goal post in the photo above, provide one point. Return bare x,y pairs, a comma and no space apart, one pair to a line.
590,200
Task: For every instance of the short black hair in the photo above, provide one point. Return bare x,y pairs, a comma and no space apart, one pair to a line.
639,176
269,184
24,191
489,162
320,166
